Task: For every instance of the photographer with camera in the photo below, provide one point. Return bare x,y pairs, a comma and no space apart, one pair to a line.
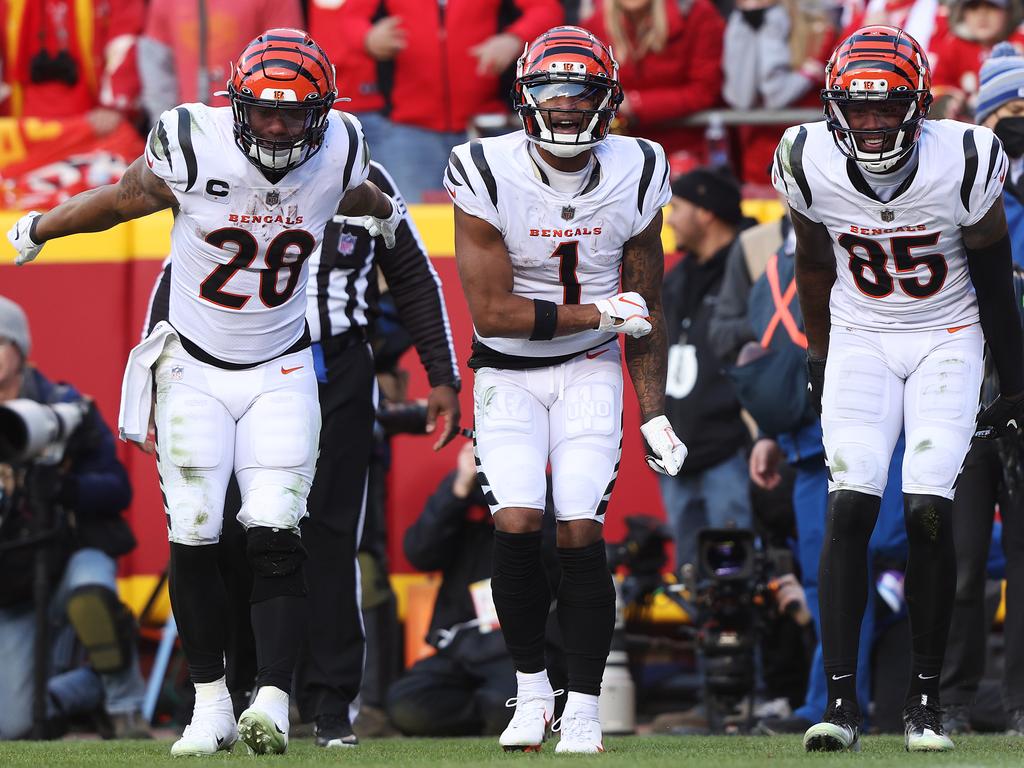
40,423
462,689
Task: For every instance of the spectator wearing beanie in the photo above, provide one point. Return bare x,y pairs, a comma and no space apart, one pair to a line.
1001,108
712,488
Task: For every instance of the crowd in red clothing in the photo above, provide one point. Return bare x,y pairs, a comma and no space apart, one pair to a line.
421,74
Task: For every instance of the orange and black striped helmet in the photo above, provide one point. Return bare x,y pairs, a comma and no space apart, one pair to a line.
566,90
281,90
877,65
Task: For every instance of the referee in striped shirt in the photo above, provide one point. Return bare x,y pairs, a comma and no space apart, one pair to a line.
341,298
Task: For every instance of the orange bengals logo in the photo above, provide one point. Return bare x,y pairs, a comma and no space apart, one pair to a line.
278,95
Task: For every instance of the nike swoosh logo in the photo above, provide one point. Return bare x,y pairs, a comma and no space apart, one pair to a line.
956,328
220,741
286,371
840,677
926,677
1012,423
592,355
627,301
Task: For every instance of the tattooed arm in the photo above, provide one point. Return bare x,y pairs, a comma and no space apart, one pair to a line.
138,193
643,267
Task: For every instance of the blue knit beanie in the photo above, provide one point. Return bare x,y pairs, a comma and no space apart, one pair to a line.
1002,80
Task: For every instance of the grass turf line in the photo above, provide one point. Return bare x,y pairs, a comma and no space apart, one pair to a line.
623,752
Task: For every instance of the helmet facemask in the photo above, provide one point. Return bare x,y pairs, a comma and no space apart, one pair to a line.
300,130
566,115
878,148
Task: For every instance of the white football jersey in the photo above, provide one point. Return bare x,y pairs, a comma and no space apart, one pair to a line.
240,244
564,248
901,265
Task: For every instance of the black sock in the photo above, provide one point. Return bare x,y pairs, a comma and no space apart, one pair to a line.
843,588
279,628
200,606
930,587
586,614
522,597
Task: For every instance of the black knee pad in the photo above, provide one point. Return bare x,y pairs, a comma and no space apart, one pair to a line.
276,557
852,515
928,518
104,627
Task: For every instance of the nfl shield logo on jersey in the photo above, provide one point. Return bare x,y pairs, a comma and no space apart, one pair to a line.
568,212
346,244
273,197
888,215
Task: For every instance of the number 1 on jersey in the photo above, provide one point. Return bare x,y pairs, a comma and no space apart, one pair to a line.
568,259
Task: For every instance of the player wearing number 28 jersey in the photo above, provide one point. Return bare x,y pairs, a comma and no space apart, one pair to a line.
231,374
903,271
548,221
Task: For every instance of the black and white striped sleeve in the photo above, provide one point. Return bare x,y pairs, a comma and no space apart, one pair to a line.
985,168
416,289
788,175
653,192
471,184
170,153
357,157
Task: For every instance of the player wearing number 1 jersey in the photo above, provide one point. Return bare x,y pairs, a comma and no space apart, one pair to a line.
547,223
252,186
903,271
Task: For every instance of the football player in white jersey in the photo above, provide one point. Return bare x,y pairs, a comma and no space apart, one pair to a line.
903,270
252,187
547,222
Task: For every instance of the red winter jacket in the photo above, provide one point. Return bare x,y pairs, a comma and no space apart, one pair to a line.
683,78
436,85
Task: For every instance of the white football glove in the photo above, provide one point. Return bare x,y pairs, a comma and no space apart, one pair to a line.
26,247
669,451
385,227
624,313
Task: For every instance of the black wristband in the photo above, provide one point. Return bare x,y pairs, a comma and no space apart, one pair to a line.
545,320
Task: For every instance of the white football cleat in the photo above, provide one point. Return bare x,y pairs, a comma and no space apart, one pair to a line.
263,727
211,730
530,723
580,734
922,726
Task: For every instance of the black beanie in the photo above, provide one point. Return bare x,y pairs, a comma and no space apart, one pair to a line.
712,190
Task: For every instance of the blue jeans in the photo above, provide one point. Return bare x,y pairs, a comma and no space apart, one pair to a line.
711,498
74,689
415,157
810,500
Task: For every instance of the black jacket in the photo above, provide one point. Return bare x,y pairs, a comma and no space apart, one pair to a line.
456,536
93,493
699,399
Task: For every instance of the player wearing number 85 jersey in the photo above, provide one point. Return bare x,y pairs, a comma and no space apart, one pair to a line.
547,222
253,187
903,271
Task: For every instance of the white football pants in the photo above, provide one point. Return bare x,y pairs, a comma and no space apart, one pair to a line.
569,413
878,383
262,423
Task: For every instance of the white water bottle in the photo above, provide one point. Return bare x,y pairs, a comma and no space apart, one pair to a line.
617,704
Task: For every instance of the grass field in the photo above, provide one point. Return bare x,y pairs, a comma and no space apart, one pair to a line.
634,752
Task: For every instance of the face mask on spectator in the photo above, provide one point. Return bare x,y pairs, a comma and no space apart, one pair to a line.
1010,131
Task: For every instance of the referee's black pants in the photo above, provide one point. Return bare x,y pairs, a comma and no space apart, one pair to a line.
980,486
330,667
